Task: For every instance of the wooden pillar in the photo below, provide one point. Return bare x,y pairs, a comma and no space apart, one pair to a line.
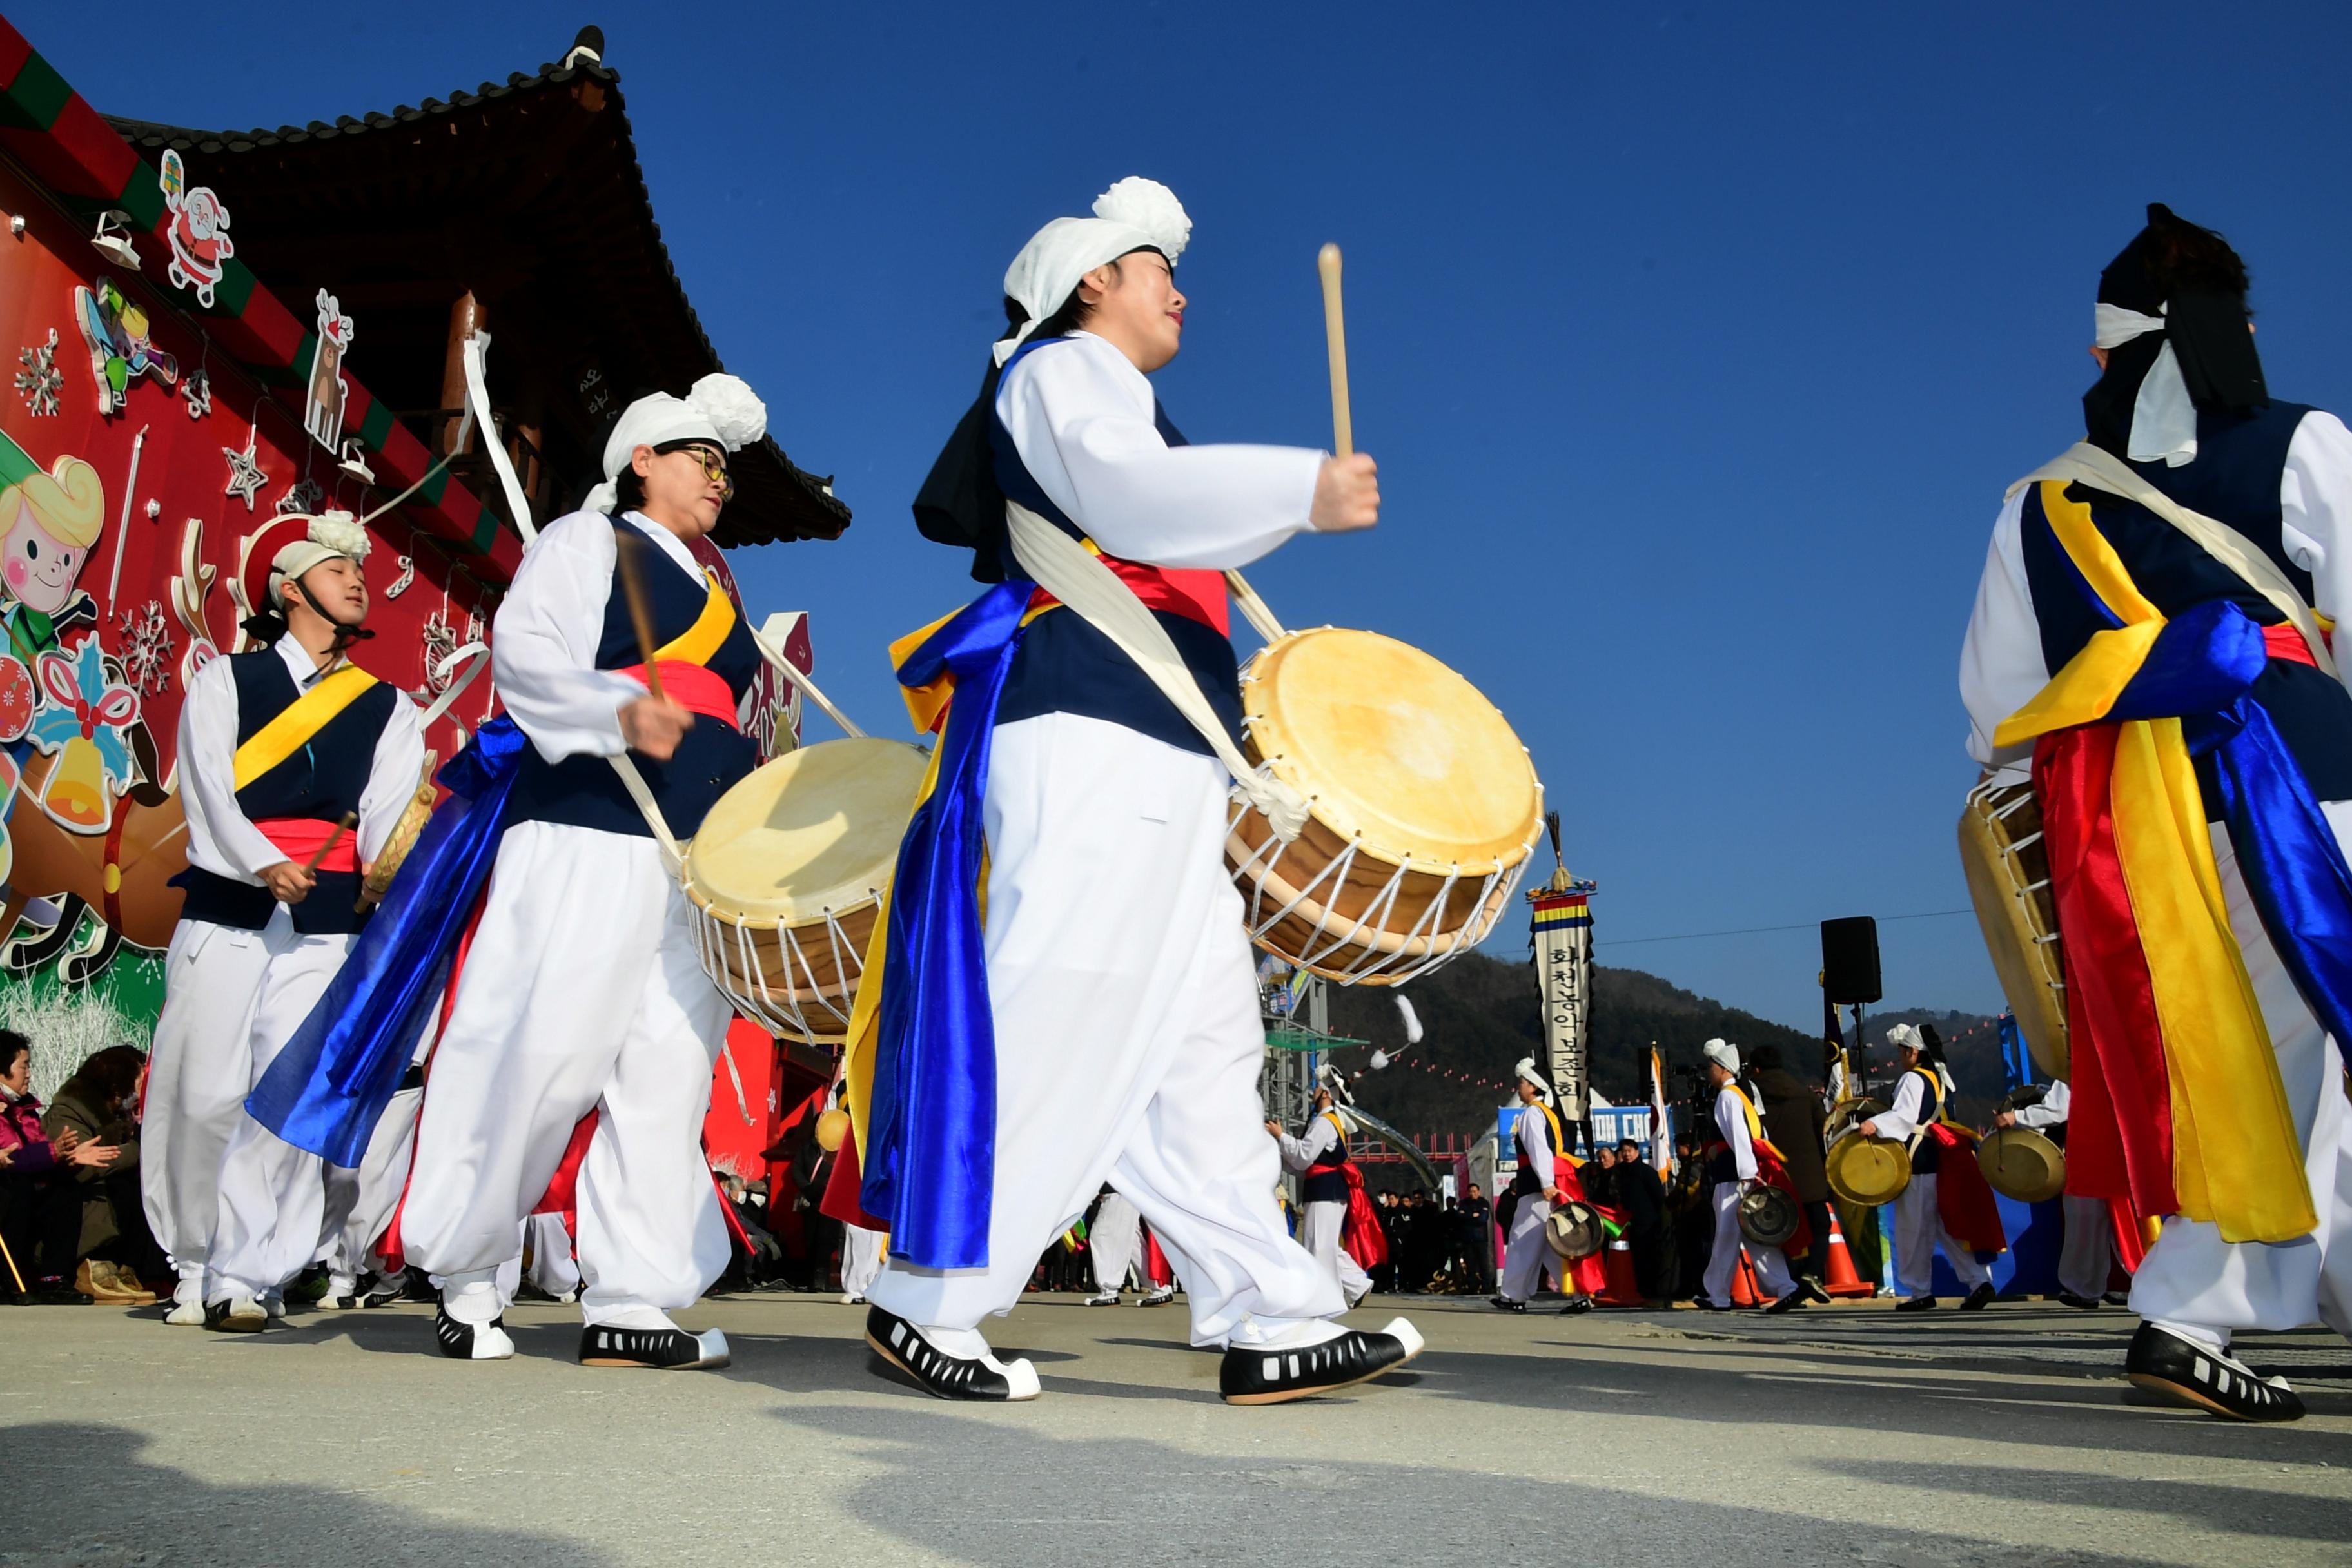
466,317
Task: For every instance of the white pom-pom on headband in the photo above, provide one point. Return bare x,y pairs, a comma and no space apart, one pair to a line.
1136,214
720,408
332,535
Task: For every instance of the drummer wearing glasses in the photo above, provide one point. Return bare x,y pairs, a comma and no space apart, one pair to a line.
580,994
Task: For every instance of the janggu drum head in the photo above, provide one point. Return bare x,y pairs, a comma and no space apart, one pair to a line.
787,874
1424,806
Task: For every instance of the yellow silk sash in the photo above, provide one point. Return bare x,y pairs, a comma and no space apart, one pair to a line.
700,642
2236,1160
304,717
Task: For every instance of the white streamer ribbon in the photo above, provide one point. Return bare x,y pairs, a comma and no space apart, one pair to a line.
2164,416
1093,592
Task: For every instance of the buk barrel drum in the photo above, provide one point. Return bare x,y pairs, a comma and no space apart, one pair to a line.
2022,1164
2009,882
786,877
1423,807
1572,1231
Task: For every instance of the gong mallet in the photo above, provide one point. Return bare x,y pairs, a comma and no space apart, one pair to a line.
641,613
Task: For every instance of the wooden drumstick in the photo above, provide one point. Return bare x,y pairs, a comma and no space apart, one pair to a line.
641,613
345,825
1335,334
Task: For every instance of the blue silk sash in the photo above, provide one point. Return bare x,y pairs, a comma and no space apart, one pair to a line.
2202,668
328,1086
935,1057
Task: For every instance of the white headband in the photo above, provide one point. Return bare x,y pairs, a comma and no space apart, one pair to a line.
720,408
1136,214
2164,416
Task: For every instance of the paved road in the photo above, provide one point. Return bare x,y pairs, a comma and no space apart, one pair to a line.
1846,1435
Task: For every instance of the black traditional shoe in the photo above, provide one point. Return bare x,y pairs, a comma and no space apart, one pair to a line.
2082,1303
1107,1299
1915,1304
1576,1305
943,1377
1788,1303
664,1350
386,1292
1158,1296
2118,1298
1979,1299
1707,1304
238,1315
2185,1373
471,1342
1254,1375
1814,1293
1505,1304
330,1302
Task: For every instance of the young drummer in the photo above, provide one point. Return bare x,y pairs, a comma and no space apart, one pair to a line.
321,744
277,746
1536,1138
1320,1156
1920,1228
581,992
1732,1168
1103,1023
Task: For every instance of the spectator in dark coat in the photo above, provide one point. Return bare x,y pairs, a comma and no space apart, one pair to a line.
1797,1124
1641,1198
1691,1215
96,1106
41,1209
1477,1244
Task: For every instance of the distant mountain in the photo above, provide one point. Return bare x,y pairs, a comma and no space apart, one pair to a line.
1481,1014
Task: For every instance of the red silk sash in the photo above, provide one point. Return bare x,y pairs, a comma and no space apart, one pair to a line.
299,837
1964,1199
692,687
2119,1128
1196,595
2284,641
1361,1235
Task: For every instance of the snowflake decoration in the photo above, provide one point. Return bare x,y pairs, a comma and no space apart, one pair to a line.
305,498
40,380
198,390
146,651
246,479
440,642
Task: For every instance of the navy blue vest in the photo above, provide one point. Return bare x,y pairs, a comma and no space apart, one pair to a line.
2235,479
584,791
1928,1154
1326,1181
319,783
1064,666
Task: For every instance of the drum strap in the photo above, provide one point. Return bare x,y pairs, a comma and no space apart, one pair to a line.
1072,573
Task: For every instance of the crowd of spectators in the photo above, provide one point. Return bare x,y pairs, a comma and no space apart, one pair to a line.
71,1218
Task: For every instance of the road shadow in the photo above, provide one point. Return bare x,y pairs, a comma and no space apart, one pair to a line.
1018,1491
2194,1502
81,1495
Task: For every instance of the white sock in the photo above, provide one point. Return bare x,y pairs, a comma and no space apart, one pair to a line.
634,1315
964,1343
471,1298
1275,1334
2216,1339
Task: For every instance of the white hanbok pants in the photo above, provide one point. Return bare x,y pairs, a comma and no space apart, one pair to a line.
1128,1034
2193,1278
1771,1268
1528,1255
2088,1253
360,1204
861,1259
1114,1245
1920,1231
581,992
1320,1227
198,1074
272,1220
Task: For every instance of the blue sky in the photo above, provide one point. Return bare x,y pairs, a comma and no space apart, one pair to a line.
1696,343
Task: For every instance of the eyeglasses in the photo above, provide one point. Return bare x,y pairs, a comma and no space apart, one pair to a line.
714,469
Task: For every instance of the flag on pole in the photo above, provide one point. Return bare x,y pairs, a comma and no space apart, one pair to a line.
1562,931
1662,1138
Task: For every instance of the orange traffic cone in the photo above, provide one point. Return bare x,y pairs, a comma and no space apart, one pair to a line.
1843,1280
1621,1290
